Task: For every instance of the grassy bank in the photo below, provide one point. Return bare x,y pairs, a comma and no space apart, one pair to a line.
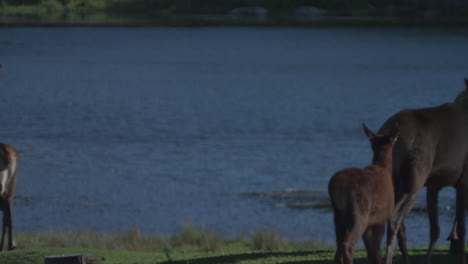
135,247
190,245
189,239
215,13
100,256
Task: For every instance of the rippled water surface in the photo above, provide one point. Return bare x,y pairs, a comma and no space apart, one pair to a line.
233,129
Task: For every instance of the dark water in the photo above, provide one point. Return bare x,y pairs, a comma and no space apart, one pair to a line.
233,129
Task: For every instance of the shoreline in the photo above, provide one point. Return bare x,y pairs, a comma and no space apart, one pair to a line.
229,21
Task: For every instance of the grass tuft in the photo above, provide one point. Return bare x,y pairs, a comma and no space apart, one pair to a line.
268,240
190,237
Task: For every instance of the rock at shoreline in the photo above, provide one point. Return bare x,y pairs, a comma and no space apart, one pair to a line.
308,13
257,13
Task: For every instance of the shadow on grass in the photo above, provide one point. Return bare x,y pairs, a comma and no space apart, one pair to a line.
439,256
328,261
238,257
311,257
235,258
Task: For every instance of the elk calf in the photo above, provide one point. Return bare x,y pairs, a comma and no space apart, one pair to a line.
363,200
8,165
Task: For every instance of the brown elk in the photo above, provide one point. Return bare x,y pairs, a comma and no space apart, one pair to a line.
363,200
8,166
432,151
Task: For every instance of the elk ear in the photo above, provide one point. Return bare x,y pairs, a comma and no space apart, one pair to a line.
395,132
466,83
368,132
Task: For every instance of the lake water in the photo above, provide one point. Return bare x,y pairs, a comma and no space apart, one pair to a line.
231,129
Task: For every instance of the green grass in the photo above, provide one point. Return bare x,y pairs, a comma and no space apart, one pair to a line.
189,239
101,256
36,256
190,245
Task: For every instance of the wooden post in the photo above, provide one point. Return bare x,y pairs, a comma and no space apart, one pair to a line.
67,259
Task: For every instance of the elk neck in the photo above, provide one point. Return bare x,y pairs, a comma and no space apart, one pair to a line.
383,157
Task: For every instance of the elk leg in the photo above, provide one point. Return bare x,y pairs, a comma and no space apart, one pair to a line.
340,231
3,225
432,211
9,226
350,241
341,228
394,224
372,238
460,216
453,237
3,232
410,180
402,243
348,233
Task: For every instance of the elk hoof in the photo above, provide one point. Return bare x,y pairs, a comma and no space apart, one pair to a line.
453,246
13,246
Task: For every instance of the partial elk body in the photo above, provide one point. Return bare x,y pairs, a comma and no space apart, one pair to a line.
363,200
432,151
8,167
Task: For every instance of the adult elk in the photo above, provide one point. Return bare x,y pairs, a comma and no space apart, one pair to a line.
432,151
363,200
8,166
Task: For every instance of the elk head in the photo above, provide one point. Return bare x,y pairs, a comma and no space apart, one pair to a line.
462,98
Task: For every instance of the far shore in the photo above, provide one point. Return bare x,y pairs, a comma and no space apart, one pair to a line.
195,20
